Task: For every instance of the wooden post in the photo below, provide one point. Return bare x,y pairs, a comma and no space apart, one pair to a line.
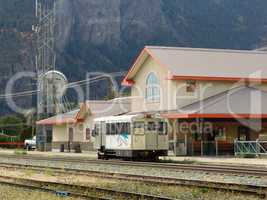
186,142
175,136
202,152
192,148
216,146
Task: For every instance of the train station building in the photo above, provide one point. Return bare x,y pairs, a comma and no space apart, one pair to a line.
211,98
73,130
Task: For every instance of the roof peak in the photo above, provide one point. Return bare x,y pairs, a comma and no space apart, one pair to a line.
254,51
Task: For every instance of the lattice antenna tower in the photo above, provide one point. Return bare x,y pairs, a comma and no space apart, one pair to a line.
45,29
45,62
45,53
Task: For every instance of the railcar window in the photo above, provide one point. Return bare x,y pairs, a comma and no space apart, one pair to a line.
126,128
123,128
113,129
151,126
139,125
108,129
162,128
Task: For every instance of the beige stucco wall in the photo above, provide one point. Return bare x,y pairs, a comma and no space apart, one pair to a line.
173,92
204,89
138,91
61,132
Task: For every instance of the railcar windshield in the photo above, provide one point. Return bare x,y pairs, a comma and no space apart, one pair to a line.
139,128
160,127
151,126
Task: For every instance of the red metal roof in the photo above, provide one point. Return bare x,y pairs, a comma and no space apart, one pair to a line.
205,64
112,107
240,102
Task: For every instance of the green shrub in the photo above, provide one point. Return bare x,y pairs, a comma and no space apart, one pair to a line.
20,152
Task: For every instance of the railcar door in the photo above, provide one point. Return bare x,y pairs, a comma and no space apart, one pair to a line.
103,134
163,142
151,135
99,134
138,135
96,134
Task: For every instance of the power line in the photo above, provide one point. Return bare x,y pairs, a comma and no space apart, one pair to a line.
104,76
19,94
70,85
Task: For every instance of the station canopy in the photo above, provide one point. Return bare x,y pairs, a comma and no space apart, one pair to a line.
240,102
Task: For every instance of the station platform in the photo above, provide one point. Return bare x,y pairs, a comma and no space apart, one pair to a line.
262,162
89,154
179,159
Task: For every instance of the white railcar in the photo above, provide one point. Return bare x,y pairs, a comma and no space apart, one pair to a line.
131,136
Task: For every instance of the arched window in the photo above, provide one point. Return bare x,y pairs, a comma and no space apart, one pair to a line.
152,88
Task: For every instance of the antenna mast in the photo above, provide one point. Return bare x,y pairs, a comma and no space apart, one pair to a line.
45,61
45,29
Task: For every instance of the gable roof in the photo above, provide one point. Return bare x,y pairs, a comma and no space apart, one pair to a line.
240,102
112,107
205,64
64,118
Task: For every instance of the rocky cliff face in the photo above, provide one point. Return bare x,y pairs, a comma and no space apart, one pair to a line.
16,46
106,35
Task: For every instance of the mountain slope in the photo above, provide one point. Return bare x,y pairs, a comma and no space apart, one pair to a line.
106,35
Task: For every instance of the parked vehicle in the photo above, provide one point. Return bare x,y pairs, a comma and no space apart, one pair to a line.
131,136
30,144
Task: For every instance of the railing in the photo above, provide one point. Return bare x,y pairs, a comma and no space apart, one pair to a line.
250,147
212,148
202,148
11,144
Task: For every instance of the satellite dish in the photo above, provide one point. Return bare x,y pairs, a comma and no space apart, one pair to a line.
52,86
54,82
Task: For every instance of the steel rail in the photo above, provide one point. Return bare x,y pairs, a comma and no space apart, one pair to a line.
75,190
214,168
234,187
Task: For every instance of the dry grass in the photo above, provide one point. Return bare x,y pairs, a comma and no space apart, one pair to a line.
12,193
178,192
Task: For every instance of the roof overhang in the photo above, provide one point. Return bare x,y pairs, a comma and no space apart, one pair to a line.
57,121
148,52
145,53
214,116
61,120
206,78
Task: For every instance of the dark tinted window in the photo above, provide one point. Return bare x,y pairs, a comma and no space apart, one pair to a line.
123,128
162,128
111,129
151,126
118,128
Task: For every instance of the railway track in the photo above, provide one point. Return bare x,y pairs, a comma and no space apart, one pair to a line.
210,168
74,190
260,191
